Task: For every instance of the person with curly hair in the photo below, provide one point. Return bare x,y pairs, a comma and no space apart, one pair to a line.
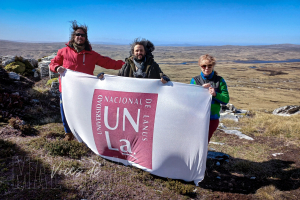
141,64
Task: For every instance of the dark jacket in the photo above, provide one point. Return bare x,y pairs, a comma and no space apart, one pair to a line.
151,68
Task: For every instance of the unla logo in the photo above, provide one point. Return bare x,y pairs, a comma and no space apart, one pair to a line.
123,125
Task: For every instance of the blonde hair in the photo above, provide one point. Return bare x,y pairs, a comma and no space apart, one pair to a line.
207,59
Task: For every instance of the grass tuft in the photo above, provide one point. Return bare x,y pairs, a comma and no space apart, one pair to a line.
72,149
179,187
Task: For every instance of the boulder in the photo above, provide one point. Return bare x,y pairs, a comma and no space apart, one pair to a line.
287,110
13,75
44,67
9,59
232,109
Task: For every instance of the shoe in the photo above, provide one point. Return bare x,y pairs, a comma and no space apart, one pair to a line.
69,137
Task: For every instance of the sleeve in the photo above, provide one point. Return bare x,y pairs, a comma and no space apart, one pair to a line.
222,96
161,73
122,70
109,63
56,61
193,81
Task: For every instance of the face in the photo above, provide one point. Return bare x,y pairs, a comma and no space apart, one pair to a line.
206,67
139,52
80,39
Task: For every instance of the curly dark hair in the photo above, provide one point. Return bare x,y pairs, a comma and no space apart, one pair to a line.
84,28
148,46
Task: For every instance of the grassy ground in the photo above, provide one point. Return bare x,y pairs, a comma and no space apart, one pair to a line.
36,164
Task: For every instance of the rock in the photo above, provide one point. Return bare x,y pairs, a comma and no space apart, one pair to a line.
9,59
276,154
44,68
33,62
229,107
35,74
15,94
287,110
35,100
52,74
55,85
13,75
229,111
217,155
237,133
218,143
49,58
230,116
221,125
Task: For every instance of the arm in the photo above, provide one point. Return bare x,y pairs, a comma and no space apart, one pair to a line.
122,70
222,96
109,63
56,62
163,77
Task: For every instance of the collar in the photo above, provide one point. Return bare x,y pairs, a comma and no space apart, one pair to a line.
87,48
209,76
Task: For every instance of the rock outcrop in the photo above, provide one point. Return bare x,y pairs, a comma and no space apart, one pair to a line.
229,111
44,67
287,110
9,59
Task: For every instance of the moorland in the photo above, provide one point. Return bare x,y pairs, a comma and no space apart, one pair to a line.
253,172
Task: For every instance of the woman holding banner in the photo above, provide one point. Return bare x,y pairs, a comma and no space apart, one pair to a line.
216,86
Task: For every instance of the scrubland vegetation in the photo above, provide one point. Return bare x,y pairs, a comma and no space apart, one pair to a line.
37,164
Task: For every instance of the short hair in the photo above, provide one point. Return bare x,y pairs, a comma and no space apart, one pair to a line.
148,46
74,28
208,58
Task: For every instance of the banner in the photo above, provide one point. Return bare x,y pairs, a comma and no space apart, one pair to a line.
160,128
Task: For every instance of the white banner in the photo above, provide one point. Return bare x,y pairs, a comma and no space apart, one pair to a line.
160,128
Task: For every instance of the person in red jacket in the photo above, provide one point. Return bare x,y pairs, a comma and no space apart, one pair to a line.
79,56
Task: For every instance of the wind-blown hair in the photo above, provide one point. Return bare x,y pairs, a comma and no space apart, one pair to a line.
148,46
84,28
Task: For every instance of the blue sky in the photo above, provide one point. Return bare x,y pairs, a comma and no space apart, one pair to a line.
162,22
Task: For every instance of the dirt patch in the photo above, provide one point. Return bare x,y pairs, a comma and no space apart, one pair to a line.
272,72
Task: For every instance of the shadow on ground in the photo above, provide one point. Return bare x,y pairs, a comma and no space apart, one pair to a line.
246,177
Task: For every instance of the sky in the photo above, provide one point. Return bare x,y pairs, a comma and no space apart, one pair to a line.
169,22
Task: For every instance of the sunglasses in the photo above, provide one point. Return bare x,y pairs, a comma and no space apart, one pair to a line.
79,34
208,66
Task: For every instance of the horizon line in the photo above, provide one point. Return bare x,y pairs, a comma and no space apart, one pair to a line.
160,44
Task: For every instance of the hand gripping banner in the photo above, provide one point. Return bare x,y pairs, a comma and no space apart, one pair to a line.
160,128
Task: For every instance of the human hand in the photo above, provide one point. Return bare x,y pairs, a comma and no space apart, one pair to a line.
206,85
61,69
212,91
164,79
100,75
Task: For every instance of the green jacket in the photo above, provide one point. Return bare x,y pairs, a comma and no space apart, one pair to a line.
222,95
